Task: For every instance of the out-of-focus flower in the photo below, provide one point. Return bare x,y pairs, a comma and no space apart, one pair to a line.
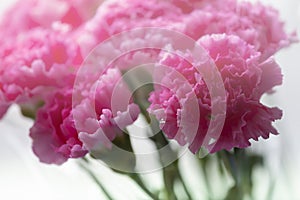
35,63
116,16
28,14
257,24
39,53
111,19
245,79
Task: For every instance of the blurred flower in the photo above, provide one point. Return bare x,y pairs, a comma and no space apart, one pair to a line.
35,63
28,14
39,54
255,23
111,18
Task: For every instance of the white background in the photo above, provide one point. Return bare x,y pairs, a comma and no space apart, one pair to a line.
23,177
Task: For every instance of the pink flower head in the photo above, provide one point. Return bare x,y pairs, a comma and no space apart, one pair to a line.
54,135
104,111
257,24
245,79
116,16
71,124
35,63
47,40
28,14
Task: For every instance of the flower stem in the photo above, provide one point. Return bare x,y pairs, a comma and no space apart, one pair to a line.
231,164
94,178
171,172
184,185
169,176
203,164
140,183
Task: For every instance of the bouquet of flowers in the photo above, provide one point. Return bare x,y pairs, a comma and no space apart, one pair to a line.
98,77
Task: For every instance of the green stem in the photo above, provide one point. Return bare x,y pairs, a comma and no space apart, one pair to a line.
140,183
206,179
271,189
169,173
184,185
169,177
94,178
231,164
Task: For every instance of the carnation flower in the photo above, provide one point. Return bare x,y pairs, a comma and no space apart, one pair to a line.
54,135
102,112
246,78
62,130
111,18
259,28
28,14
42,55
116,16
255,23
35,63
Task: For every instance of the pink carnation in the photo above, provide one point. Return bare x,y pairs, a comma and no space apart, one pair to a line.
104,111
63,130
35,63
245,79
256,24
41,56
27,14
116,16
54,135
